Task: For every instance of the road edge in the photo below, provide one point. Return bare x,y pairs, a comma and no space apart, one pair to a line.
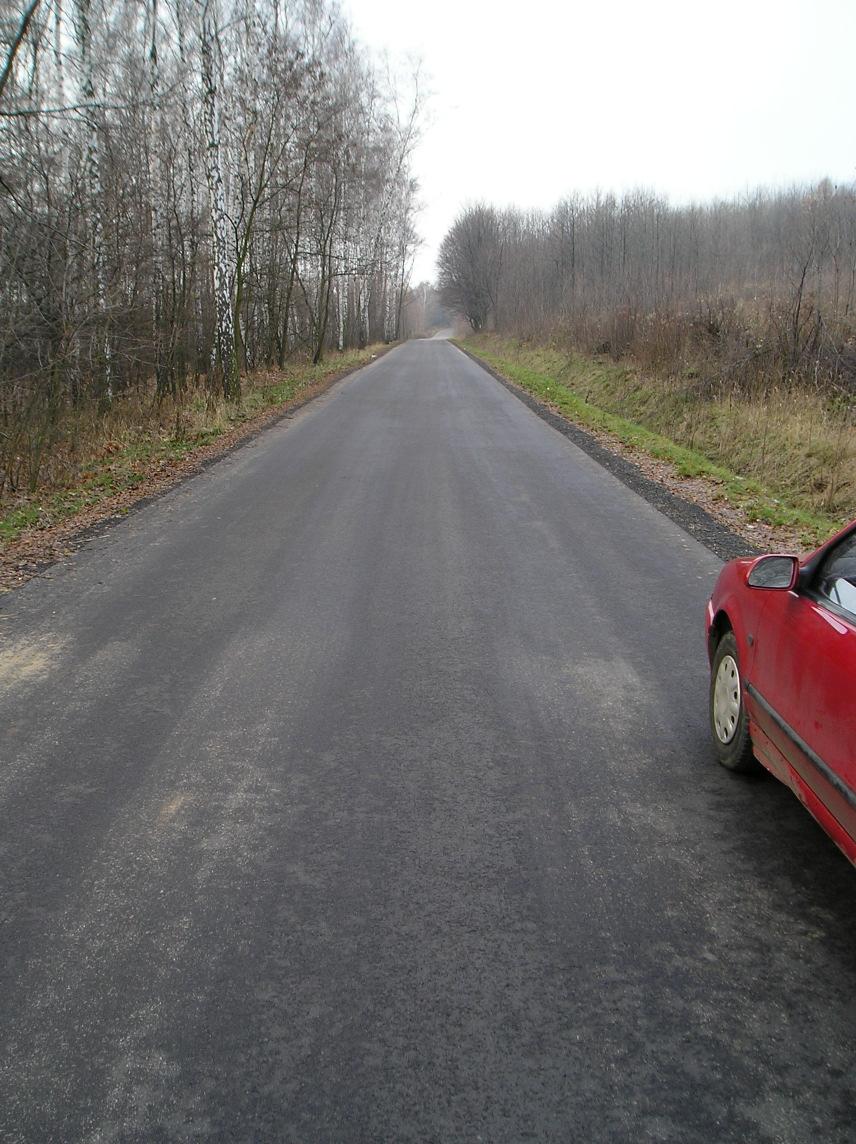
69,535
693,519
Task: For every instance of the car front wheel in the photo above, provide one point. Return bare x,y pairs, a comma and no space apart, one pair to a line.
728,722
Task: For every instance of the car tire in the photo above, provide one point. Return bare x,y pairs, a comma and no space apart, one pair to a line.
729,725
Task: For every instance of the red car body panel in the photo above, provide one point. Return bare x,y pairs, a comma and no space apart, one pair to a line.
797,658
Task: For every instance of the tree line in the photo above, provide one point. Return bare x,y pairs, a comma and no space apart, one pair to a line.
189,189
756,291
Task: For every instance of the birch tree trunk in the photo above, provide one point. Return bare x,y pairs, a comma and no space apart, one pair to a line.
164,374
341,280
224,348
190,297
103,356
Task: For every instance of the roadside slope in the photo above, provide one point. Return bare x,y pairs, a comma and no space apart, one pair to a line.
600,398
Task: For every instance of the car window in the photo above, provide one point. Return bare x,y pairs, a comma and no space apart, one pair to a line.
836,577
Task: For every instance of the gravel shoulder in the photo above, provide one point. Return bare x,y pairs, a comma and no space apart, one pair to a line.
696,504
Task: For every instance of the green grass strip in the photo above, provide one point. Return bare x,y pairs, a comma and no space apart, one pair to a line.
757,503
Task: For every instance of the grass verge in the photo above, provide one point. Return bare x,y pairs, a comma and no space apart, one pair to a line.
139,444
788,462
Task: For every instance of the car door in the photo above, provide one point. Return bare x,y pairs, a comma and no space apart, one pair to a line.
803,675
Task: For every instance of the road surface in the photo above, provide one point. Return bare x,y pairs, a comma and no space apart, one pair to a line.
358,790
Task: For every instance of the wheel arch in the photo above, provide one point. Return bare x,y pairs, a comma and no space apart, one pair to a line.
720,625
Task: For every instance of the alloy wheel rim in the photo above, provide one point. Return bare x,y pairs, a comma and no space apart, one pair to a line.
726,699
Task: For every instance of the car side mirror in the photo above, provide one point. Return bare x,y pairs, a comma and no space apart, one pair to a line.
778,572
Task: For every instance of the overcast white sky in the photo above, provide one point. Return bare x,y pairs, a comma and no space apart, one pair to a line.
695,100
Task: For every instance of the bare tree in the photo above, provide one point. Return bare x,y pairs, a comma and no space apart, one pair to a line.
469,264
758,291
188,187
226,356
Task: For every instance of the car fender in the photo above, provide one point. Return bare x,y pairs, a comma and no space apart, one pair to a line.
727,608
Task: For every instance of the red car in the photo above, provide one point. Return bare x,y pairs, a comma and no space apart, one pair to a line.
781,638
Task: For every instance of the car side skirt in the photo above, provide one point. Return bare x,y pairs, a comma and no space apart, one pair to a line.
834,780
770,754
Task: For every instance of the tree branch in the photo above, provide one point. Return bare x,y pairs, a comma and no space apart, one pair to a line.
16,43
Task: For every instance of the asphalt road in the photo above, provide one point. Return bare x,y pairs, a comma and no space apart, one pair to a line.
358,790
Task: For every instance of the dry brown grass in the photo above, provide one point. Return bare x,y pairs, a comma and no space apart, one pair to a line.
92,458
789,452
